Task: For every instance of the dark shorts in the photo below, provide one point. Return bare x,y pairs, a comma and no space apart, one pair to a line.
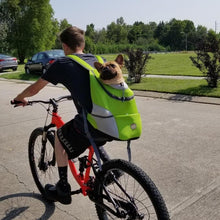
74,140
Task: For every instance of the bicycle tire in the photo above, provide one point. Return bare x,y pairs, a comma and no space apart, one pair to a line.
147,200
46,173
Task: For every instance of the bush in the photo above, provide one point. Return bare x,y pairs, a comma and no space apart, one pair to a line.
136,64
208,64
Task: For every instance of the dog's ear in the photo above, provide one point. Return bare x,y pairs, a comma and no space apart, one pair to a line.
120,60
98,66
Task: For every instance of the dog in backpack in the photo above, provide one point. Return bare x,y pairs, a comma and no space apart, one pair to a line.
110,72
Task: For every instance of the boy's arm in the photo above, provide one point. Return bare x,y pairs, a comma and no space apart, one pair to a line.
31,90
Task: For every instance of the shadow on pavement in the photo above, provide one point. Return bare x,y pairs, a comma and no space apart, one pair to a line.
179,97
25,206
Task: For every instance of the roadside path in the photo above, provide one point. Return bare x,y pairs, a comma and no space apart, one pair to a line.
175,77
17,71
170,77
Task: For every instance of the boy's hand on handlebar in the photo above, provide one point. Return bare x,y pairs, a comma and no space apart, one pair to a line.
19,102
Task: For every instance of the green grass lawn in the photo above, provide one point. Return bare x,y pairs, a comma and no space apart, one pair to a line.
178,64
19,74
162,64
179,86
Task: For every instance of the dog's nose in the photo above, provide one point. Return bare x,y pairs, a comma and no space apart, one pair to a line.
106,68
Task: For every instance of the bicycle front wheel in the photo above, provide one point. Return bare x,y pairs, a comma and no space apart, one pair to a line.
124,191
42,159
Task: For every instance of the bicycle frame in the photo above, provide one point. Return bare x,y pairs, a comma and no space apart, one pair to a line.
81,179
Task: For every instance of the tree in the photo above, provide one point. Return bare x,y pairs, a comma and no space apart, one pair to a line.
188,26
135,63
161,33
117,32
30,26
148,31
90,31
175,35
90,47
159,30
188,34
120,21
135,32
200,37
100,36
63,24
57,28
3,37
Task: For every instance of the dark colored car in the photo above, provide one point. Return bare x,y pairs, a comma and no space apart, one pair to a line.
8,62
41,61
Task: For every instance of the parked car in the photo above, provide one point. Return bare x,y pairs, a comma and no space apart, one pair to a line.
41,61
8,62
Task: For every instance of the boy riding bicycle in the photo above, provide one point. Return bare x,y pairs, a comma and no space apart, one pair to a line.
71,139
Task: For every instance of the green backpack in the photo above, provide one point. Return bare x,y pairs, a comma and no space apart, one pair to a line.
114,110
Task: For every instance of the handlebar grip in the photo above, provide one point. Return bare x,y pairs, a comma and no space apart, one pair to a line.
14,102
17,103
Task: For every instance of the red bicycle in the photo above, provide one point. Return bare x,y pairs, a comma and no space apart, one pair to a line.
119,189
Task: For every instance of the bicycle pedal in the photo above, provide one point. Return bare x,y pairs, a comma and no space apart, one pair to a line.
76,192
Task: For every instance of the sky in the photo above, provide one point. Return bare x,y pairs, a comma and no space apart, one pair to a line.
101,13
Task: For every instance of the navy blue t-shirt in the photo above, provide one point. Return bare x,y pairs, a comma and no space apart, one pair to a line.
74,77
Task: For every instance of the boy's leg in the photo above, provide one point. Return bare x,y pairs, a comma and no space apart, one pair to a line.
62,162
61,155
60,192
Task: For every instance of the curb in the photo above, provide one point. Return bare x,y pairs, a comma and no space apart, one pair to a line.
179,97
160,95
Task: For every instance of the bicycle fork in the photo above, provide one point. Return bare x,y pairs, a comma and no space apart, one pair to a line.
47,135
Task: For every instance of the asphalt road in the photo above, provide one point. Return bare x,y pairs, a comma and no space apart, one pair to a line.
179,149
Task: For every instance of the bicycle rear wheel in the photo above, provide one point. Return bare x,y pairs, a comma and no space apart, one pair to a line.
132,191
42,159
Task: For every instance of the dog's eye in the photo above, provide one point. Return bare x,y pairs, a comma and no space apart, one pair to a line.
112,65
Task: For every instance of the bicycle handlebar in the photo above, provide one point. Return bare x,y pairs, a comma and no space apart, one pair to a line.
50,101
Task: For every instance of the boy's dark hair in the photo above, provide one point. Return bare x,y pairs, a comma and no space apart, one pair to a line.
73,37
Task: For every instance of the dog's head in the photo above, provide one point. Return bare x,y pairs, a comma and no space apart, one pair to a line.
110,72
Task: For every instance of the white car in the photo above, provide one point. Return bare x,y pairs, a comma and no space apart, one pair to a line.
8,62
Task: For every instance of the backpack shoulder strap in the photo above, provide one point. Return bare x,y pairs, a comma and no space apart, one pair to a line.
94,71
81,62
99,58
84,63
